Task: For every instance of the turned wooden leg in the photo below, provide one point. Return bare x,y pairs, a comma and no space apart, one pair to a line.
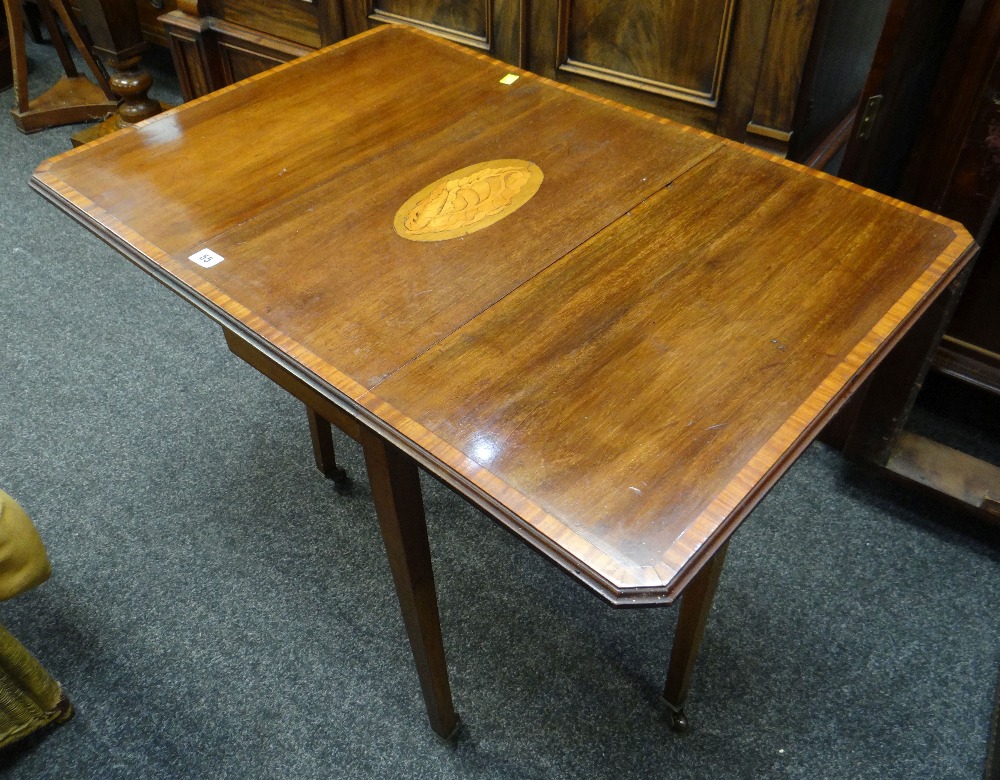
395,487
322,441
131,82
696,603
117,36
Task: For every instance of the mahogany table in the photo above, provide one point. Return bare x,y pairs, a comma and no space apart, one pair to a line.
611,333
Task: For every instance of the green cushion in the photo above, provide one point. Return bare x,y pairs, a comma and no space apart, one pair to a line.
29,698
23,562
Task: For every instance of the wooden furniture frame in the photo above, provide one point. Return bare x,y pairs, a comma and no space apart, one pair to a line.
778,75
611,333
6,69
73,98
931,143
118,39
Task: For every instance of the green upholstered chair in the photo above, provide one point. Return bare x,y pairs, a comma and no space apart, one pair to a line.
29,698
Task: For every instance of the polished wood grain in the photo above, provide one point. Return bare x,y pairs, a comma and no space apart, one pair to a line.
645,378
291,20
617,371
395,298
745,70
396,489
783,59
680,314
492,26
463,16
648,45
73,98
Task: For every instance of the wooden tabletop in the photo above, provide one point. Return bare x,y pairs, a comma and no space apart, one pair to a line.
616,368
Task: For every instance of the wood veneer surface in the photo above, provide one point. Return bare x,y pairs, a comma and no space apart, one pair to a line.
628,385
617,371
303,213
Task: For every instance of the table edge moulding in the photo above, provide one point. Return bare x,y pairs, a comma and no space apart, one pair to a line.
363,413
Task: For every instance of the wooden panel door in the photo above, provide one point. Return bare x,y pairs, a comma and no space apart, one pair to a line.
150,12
733,67
676,48
728,66
671,57
667,56
492,26
303,22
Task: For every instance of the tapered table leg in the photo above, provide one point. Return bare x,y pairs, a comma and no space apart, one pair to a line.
322,441
399,505
696,603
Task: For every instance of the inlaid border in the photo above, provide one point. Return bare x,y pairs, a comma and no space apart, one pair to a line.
610,576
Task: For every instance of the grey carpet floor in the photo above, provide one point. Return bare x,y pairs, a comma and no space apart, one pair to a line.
218,610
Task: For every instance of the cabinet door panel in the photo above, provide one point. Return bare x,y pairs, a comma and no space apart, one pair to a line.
291,20
149,19
492,26
460,16
647,44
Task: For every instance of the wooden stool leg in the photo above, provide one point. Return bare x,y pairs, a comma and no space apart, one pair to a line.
322,440
696,603
33,19
6,67
71,99
116,32
14,14
396,489
82,46
58,43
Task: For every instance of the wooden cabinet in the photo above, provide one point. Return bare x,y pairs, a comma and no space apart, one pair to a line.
934,143
955,170
492,26
734,67
150,12
698,61
219,42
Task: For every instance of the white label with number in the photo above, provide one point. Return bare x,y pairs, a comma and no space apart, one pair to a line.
206,258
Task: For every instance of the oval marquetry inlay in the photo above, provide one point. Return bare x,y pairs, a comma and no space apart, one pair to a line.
468,200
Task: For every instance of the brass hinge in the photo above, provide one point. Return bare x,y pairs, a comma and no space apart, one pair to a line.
868,117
